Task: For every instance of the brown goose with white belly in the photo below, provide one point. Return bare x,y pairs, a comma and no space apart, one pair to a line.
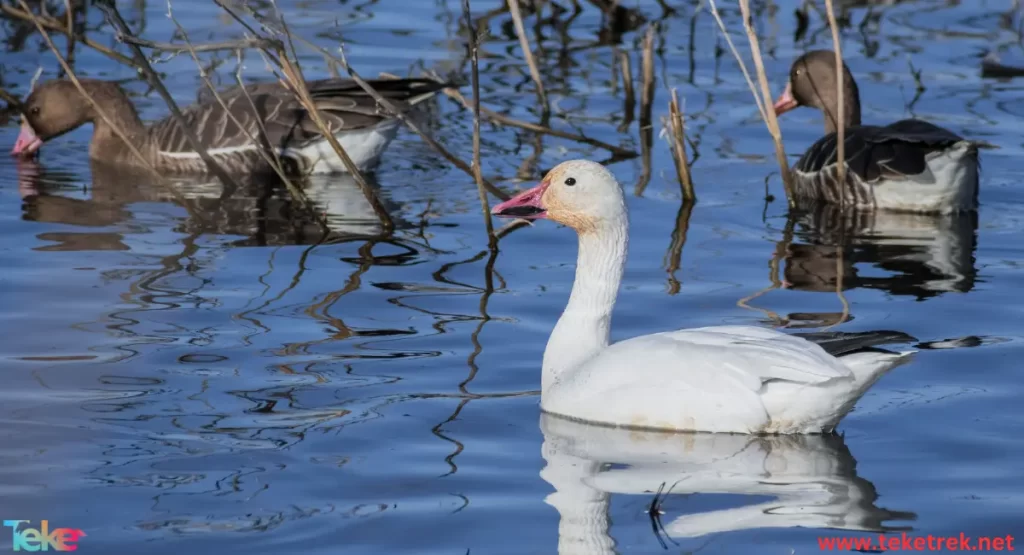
910,165
266,112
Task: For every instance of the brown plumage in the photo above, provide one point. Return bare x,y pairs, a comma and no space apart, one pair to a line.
268,112
910,165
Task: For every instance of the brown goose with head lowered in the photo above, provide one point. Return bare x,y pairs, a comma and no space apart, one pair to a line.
266,112
910,165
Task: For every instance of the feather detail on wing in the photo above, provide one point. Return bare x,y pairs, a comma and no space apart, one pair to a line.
749,355
897,151
272,113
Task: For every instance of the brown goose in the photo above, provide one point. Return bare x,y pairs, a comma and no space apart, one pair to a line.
910,165
266,111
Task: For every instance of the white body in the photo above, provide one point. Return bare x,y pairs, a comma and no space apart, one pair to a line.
739,379
720,379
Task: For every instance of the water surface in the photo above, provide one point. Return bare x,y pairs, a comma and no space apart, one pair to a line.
224,380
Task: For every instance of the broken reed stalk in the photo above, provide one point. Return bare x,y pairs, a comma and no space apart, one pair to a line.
679,148
763,98
646,103
106,119
474,58
841,127
629,102
524,43
536,128
109,8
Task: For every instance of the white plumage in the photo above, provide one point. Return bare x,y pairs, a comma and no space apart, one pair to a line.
738,379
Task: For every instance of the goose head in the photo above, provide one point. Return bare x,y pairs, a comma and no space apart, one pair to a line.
52,109
812,82
581,194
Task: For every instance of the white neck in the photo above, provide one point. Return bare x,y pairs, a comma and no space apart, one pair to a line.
583,329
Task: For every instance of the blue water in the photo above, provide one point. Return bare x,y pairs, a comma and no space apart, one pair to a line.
222,382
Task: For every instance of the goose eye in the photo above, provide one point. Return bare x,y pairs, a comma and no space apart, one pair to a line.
34,111
571,181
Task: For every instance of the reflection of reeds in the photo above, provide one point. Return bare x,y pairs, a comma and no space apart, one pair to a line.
675,247
629,101
762,99
841,127
646,104
524,43
679,147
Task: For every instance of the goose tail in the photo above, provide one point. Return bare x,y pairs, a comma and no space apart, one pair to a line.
870,365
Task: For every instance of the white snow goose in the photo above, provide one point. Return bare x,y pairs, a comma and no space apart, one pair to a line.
910,165
739,379
268,112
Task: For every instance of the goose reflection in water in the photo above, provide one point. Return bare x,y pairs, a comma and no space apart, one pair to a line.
922,255
812,480
260,211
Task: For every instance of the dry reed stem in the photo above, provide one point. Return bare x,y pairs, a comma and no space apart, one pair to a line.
396,112
524,43
55,25
387,104
106,119
536,128
121,28
772,121
841,128
679,148
272,159
478,175
297,84
763,98
11,99
646,104
629,100
191,47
